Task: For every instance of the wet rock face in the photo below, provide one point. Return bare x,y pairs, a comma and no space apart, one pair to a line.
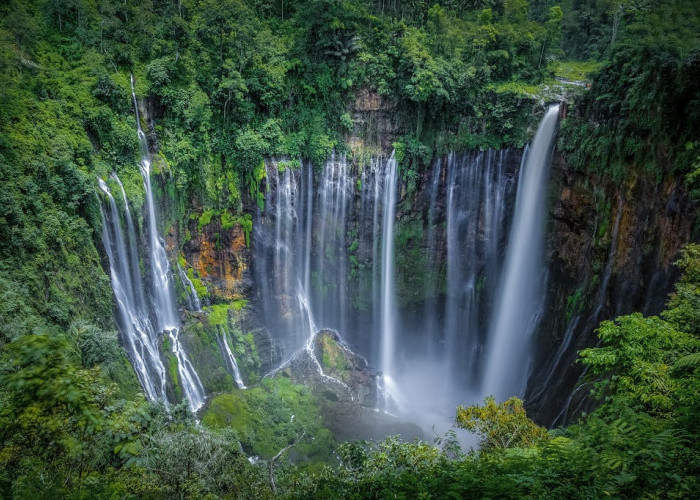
374,121
611,248
338,361
220,258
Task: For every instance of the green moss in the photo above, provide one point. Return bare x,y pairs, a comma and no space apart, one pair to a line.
575,303
172,366
333,355
515,87
218,314
285,164
576,70
173,374
198,284
246,221
205,218
239,304
412,269
200,339
271,415
230,410
247,355
227,220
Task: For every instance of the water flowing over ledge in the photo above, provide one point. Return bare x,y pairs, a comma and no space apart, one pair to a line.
326,255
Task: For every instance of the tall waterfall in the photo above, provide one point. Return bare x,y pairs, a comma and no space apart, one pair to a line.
325,255
165,316
520,295
308,244
388,281
477,190
335,247
139,337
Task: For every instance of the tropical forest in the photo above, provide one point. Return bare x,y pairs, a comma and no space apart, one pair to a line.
355,249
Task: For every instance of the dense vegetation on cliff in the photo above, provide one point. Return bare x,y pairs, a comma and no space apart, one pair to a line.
230,83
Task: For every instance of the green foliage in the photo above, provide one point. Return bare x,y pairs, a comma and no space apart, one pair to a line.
218,314
205,219
332,355
574,304
501,426
270,416
228,85
635,357
683,307
576,70
631,117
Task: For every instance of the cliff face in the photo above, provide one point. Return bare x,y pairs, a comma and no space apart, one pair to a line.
220,257
610,251
611,248
374,121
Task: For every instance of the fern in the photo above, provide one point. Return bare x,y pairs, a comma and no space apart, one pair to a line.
688,361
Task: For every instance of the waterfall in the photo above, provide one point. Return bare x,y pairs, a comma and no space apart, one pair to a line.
232,364
519,299
166,316
325,257
388,293
311,250
193,302
329,297
132,247
376,190
477,192
430,322
138,335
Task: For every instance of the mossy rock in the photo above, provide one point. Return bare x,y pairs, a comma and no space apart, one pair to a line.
268,417
333,355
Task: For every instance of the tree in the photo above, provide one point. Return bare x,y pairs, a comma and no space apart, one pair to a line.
500,426
683,307
634,361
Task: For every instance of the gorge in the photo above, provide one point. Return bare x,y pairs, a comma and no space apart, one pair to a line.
349,249
309,276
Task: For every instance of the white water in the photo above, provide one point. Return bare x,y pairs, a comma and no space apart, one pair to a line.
477,189
232,362
517,312
138,335
388,295
132,242
166,315
325,257
192,297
